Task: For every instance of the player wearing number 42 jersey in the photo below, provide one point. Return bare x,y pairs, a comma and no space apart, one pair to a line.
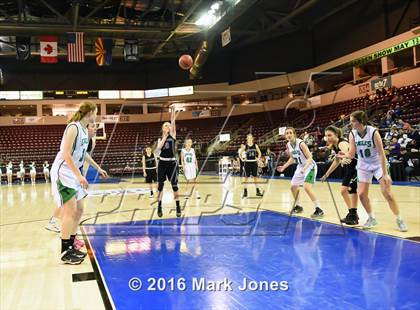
305,173
190,166
366,142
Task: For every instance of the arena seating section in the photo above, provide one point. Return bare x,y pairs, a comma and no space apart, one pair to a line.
125,141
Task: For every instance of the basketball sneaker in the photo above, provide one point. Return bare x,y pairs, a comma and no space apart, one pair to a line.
318,213
178,211
70,257
245,193
297,209
370,223
159,211
259,192
53,225
401,225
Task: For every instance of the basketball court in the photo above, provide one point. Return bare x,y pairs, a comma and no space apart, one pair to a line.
150,119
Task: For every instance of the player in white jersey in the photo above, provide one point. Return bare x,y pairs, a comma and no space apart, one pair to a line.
21,173
9,173
190,166
46,171
367,143
54,222
32,172
67,182
305,173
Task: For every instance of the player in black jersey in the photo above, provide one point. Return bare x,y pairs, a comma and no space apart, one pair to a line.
336,142
168,164
149,168
252,155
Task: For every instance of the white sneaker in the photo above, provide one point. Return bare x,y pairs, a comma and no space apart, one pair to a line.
53,226
198,196
401,225
370,223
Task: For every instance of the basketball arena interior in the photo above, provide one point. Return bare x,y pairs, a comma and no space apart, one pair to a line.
209,154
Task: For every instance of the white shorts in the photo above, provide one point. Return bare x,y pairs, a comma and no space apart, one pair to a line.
9,172
32,172
365,176
18,174
190,172
308,177
46,171
64,186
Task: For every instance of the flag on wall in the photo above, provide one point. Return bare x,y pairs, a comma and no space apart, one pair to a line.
48,49
103,49
131,50
75,47
23,48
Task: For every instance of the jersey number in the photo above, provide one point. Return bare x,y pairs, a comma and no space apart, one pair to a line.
188,159
299,161
83,155
366,154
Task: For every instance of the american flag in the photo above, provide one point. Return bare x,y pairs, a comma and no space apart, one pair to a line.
75,47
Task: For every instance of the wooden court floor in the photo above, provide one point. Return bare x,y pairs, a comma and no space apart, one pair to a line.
31,278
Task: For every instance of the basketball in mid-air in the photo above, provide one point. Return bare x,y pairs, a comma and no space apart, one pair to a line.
185,62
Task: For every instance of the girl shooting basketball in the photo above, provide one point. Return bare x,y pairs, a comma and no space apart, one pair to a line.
366,142
67,182
168,164
335,141
149,168
190,165
305,173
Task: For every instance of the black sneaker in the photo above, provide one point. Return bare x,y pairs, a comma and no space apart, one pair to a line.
178,211
297,209
352,219
259,193
79,253
318,213
69,257
245,193
345,219
159,211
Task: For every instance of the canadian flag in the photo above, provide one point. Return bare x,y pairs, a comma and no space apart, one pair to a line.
48,49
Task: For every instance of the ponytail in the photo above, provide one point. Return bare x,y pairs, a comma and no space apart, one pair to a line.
84,108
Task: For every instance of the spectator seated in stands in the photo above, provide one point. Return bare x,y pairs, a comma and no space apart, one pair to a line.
308,139
394,148
397,111
414,135
392,133
404,140
408,163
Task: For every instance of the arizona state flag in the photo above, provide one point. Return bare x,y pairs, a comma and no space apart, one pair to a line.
23,48
103,51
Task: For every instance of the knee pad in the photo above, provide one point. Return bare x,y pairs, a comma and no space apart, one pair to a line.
160,186
353,187
175,188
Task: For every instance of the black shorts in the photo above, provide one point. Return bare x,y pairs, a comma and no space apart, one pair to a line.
251,168
168,170
151,175
350,179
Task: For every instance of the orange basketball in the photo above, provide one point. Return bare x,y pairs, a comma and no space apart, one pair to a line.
185,62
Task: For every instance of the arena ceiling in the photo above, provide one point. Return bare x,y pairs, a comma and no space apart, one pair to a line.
164,28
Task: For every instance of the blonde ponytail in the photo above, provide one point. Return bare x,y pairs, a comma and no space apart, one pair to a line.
84,108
